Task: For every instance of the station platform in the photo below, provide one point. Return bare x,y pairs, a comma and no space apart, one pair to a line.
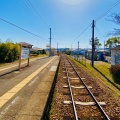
30,96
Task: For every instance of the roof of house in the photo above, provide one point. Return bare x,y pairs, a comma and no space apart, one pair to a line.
116,48
99,51
35,49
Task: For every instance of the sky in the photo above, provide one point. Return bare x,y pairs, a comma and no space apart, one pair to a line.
70,21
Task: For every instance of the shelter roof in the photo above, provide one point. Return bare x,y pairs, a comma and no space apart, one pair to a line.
24,44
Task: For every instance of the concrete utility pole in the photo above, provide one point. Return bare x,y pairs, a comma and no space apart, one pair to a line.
78,46
93,45
104,47
50,43
57,48
78,51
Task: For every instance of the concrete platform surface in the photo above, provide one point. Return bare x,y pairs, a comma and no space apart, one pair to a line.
28,97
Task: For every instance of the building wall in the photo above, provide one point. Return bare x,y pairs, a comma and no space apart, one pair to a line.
108,59
115,57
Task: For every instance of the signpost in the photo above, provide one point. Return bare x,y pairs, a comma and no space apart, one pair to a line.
24,52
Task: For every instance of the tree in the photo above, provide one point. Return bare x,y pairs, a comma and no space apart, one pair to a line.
112,42
16,51
9,46
3,52
97,44
9,51
115,18
68,52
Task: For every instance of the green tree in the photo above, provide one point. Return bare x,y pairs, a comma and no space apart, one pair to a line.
97,44
3,52
9,51
16,51
112,42
68,52
9,46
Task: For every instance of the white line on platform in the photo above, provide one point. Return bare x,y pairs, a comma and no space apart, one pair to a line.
8,107
53,68
31,83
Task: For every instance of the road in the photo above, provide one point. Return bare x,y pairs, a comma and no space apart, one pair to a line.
23,94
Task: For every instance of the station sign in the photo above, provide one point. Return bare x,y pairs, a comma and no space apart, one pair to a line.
25,53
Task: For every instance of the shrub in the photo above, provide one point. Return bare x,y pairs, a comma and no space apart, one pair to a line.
115,71
9,51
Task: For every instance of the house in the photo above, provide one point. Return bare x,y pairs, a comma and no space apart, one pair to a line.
115,55
36,50
98,54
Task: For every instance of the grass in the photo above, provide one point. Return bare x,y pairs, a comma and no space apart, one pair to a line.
101,72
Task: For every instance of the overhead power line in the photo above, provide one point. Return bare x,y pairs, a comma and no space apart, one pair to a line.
27,6
21,28
98,18
99,32
37,13
81,33
107,11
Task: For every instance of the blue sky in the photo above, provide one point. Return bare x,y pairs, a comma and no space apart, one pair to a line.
67,19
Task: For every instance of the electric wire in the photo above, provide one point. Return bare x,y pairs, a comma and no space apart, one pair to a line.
107,11
30,3
33,11
81,33
28,7
98,18
21,28
99,32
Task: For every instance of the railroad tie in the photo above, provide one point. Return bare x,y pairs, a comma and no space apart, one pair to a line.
70,72
74,78
77,87
84,103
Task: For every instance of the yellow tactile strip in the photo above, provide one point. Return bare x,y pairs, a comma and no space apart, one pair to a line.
8,95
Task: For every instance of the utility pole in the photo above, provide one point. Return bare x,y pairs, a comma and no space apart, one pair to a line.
57,48
93,45
104,47
78,46
50,44
78,51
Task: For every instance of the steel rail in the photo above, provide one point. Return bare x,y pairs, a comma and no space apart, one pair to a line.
71,93
97,103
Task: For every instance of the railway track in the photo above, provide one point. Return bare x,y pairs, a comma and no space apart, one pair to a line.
84,104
